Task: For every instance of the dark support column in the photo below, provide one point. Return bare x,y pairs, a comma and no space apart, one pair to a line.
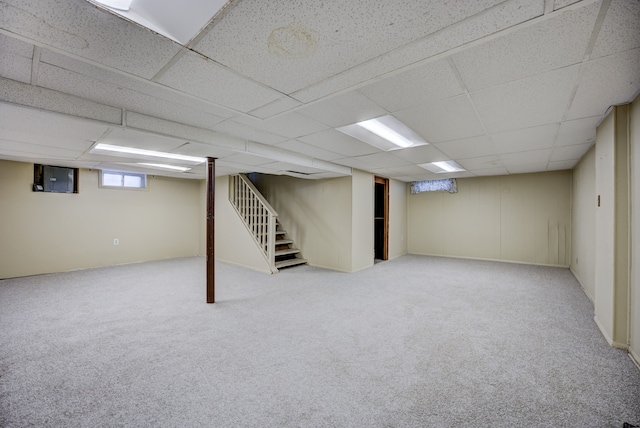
211,259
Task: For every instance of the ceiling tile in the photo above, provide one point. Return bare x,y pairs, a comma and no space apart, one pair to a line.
384,160
551,44
468,147
141,140
338,142
204,150
619,31
481,163
490,172
15,67
290,125
275,107
113,94
519,140
19,147
452,119
355,162
63,142
421,154
566,153
578,131
527,168
559,4
205,79
345,109
412,87
43,124
15,46
499,17
523,104
605,82
308,149
89,32
247,159
561,165
513,160
246,132
300,37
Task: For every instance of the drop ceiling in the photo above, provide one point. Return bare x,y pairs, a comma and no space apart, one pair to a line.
500,87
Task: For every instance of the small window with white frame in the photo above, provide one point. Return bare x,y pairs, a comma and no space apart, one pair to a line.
122,179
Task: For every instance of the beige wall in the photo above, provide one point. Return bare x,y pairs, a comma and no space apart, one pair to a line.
233,241
54,232
521,218
634,142
362,204
316,214
583,222
398,191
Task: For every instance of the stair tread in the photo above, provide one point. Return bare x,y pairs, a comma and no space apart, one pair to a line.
287,251
290,262
284,241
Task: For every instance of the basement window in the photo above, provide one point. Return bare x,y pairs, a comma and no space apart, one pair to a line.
121,179
444,185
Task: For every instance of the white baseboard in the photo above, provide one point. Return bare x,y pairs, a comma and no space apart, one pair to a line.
635,358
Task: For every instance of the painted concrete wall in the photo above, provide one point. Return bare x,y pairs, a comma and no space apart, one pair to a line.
583,222
54,232
634,316
520,218
398,192
317,214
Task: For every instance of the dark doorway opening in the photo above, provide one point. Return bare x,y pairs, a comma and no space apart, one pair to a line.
381,219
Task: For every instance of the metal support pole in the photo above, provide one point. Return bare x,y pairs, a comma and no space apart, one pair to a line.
211,181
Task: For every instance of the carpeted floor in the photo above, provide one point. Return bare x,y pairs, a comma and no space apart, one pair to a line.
413,342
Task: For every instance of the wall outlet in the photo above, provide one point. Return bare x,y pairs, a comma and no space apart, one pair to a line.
116,241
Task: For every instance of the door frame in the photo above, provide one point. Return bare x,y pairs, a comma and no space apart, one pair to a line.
385,237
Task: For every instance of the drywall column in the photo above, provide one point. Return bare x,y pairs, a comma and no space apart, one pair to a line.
211,254
634,283
612,227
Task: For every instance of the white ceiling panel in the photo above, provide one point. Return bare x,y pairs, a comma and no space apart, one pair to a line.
290,125
89,32
468,147
46,124
308,149
247,159
527,168
491,21
526,139
412,87
385,160
15,67
522,103
620,29
59,79
490,171
135,84
19,147
512,160
605,82
301,37
559,4
452,119
343,109
275,107
356,162
242,130
63,142
15,46
205,79
141,140
337,142
566,153
203,150
481,163
578,131
561,165
421,154
552,44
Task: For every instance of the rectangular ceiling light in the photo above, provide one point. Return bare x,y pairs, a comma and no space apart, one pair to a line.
165,166
443,166
386,133
146,153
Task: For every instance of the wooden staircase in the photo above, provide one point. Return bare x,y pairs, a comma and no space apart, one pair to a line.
286,254
262,223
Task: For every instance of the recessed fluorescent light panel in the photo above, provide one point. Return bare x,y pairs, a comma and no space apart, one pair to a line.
165,166
386,133
442,167
135,152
